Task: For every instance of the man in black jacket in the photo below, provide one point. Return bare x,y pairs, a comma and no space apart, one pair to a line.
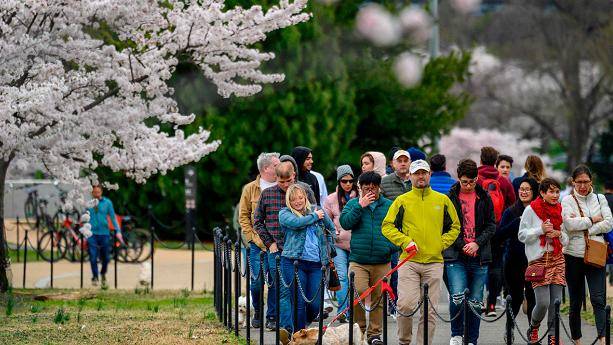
466,261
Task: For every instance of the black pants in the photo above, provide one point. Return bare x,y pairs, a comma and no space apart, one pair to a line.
576,273
494,276
518,288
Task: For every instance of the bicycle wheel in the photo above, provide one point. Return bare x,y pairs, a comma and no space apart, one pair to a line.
29,211
60,245
75,247
138,246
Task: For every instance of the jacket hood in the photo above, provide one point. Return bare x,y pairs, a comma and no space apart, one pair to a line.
288,158
488,172
380,162
300,154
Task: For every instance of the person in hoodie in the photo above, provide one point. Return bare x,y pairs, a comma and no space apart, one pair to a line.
466,260
502,195
304,159
334,204
441,181
310,194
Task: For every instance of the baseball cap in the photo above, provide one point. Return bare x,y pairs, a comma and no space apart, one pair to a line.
419,164
400,153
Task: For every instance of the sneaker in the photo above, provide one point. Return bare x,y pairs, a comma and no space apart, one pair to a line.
457,340
271,325
256,323
491,311
284,336
375,340
533,334
103,279
95,281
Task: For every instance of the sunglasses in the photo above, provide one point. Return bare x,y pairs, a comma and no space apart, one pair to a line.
346,181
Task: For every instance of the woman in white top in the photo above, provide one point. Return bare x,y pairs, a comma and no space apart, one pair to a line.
583,210
540,229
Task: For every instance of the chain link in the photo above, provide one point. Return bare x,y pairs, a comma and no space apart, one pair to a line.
304,297
477,314
521,334
411,314
366,309
440,317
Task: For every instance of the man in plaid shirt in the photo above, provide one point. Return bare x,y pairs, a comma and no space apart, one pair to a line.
266,224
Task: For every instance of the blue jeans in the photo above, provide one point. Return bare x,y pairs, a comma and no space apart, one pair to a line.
463,274
309,274
99,244
254,259
341,262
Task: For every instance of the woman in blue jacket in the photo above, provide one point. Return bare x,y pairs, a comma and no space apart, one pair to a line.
309,233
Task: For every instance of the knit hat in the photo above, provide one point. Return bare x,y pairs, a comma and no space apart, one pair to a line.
416,154
342,171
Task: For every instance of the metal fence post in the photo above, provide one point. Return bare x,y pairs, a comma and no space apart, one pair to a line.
426,310
556,321
248,293
229,282
607,335
322,288
351,298
295,304
237,280
81,248
18,242
51,263
193,253
152,253
509,321
115,249
465,317
277,298
384,300
261,310
25,257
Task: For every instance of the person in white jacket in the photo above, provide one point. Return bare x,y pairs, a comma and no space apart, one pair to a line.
541,230
583,210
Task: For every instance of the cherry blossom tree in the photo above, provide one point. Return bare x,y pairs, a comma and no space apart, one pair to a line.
74,100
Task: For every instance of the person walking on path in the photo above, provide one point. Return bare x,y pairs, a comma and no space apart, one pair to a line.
267,163
334,204
308,233
99,243
501,192
266,224
467,258
423,225
586,215
399,182
540,229
504,163
514,257
304,159
370,250
441,181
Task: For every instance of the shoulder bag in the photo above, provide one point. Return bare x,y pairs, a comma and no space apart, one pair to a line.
595,251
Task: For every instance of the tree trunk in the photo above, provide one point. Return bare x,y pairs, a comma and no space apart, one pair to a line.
4,259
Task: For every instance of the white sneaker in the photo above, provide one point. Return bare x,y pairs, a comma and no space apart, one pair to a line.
457,340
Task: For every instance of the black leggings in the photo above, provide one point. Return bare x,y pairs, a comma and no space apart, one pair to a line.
576,274
514,271
494,276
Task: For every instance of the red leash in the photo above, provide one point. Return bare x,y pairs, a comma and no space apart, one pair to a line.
412,251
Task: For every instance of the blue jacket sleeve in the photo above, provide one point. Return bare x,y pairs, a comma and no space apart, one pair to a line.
290,221
113,218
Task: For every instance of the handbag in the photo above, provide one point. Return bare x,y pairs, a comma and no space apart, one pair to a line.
535,272
334,284
595,251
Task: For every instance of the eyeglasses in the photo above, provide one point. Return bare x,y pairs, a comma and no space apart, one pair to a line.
525,190
346,181
467,182
582,182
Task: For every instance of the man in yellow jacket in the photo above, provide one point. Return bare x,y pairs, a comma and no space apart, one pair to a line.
267,162
429,220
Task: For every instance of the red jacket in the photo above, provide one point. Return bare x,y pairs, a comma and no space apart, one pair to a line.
490,172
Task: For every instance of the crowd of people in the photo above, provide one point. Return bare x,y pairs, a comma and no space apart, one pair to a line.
484,231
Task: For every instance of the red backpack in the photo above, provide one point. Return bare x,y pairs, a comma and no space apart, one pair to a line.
492,186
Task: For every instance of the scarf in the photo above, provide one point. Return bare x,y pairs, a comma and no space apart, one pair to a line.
544,211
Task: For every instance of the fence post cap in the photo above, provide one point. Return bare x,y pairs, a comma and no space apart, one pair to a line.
352,274
278,258
295,263
384,279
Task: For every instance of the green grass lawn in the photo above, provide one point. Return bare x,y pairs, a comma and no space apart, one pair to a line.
111,317
31,255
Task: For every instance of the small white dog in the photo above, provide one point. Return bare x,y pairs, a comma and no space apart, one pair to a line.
242,310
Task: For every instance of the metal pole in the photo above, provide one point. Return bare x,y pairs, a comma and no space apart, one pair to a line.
509,323
384,301
25,257
115,243
152,253
277,298
607,335
295,304
18,242
37,243
193,253
465,317
224,294
556,321
81,247
248,293
52,245
322,289
215,271
426,312
261,311
237,280
434,40
351,298
564,295
229,283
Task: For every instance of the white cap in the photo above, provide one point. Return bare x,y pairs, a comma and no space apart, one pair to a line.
401,153
419,164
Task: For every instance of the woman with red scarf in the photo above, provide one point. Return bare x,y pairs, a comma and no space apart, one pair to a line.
540,230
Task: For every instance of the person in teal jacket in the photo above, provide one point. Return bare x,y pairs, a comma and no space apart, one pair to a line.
99,242
371,252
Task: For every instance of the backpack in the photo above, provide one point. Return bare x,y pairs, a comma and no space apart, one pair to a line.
492,187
